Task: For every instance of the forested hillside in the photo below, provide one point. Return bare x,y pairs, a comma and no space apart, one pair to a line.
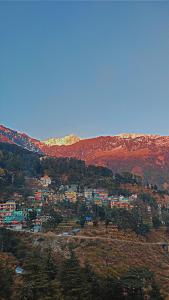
17,163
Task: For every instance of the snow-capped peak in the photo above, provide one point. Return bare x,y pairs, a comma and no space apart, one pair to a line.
66,140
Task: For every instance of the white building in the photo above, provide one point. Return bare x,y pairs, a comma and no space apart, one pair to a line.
45,181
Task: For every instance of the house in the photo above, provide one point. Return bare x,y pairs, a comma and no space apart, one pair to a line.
88,193
12,219
16,225
133,197
9,205
100,193
121,204
31,198
38,196
88,219
98,201
15,219
71,196
45,180
95,194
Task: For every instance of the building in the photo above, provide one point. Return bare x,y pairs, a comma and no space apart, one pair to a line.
71,196
121,204
9,205
88,193
72,188
98,202
45,181
38,196
102,194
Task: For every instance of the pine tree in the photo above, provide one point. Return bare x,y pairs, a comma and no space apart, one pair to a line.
155,292
36,281
73,280
93,283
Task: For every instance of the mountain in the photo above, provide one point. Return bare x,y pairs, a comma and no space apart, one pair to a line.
67,140
8,135
144,155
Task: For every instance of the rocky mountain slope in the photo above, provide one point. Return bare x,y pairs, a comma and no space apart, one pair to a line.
8,135
145,155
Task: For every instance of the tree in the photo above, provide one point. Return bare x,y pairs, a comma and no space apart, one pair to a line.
136,282
155,292
36,282
111,289
54,218
6,280
73,281
82,222
156,222
93,283
148,199
31,216
56,292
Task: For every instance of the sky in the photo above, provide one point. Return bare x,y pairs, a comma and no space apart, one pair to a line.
88,68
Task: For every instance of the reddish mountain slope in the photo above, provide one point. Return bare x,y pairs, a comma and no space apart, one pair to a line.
146,155
4,139
21,139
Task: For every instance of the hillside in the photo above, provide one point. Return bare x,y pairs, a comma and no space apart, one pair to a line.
111,246
77,268
17,163
8,135
144,155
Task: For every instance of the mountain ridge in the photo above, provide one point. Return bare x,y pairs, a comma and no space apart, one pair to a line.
144,155
21,139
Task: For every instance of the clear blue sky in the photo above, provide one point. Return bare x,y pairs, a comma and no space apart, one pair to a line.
89,68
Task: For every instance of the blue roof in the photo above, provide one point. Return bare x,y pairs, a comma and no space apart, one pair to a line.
19,270
88,218
9,219
17,213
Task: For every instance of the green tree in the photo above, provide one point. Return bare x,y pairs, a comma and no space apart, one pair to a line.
155,292
6,281
93,283
156,222
73,280
136,282
36,283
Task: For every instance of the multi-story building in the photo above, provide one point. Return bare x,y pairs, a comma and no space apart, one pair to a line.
9,205
100,193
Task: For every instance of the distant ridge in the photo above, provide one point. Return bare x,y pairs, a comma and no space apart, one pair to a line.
137,135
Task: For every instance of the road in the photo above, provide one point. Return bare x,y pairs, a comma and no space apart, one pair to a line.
111,239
